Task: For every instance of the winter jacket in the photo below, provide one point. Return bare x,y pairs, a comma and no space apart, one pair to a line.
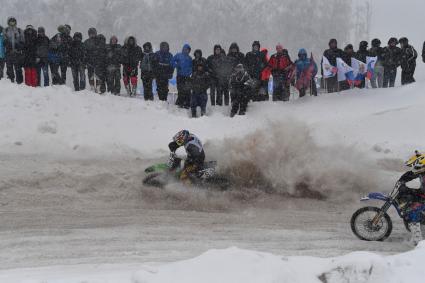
332,54
377,52
255,62
43,48
113,56
2,49
199,60
280,63
66,47
77,55
224,68
131,54
59,49
302,65
147,63
238,81
391,57
183,63
200,82
13,40
100,57
267,72
346,57
361,55
90,49
213,62
30,48
163,63
408,58
239,56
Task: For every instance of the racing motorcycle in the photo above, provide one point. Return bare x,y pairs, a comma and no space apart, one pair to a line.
159,175
372,223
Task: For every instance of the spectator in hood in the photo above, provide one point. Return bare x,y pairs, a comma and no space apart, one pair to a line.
131,54
30,53
240,90
224,69
347,54
235,53
42,56
90,49
376,50
14,46
183,63
163,70
408,61
305,74
265,78
255,62
77,62
200,83
391,61
213,63
280,65
331,84
199,60
2,53
147,70
113,66
100,65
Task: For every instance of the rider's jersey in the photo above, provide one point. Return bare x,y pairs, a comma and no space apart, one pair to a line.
410,176
194,149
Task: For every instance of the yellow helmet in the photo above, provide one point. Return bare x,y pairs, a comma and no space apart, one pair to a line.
416,162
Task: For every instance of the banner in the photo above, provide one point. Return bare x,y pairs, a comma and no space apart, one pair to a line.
329,71
343,70
370,62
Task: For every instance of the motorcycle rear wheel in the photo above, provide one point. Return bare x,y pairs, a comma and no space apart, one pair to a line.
364,229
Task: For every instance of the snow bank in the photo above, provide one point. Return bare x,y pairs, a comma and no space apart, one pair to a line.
234,265
58,121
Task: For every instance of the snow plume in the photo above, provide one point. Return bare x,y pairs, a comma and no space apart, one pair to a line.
283,158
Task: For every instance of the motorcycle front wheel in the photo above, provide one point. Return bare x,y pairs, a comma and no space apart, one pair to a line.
363,227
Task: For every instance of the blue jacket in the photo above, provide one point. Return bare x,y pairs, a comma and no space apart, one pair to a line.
163,64
183,62
302,65
2,49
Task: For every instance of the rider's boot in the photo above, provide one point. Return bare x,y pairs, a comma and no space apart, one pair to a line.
415,229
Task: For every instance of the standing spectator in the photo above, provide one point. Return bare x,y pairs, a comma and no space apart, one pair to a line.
255,62
2,53
408,61
90,49
183,63
113,51
199,60
14,45
30,53
331,54
213,62
306,70
77,62
146,70
42,56
235,53
163,70
131,54
265,78
362,55
65,50
100,64
200,82
224,69
377,79
347,54
280,65
239,90
391,56
56,58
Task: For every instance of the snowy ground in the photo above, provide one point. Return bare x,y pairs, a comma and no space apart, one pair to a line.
71,167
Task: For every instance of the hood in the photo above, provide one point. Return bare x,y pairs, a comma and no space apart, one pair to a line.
302,51
234,45
164,47
198,52
147,47
130,37
217,46
186,46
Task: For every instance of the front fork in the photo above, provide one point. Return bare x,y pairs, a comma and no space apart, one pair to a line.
384,209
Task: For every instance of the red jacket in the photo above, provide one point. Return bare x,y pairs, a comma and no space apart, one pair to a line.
266,73
280,63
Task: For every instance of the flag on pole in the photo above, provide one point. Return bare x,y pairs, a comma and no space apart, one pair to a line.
329,71
370,62
343,70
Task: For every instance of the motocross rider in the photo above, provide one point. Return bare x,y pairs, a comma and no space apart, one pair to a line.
412,201
195,154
